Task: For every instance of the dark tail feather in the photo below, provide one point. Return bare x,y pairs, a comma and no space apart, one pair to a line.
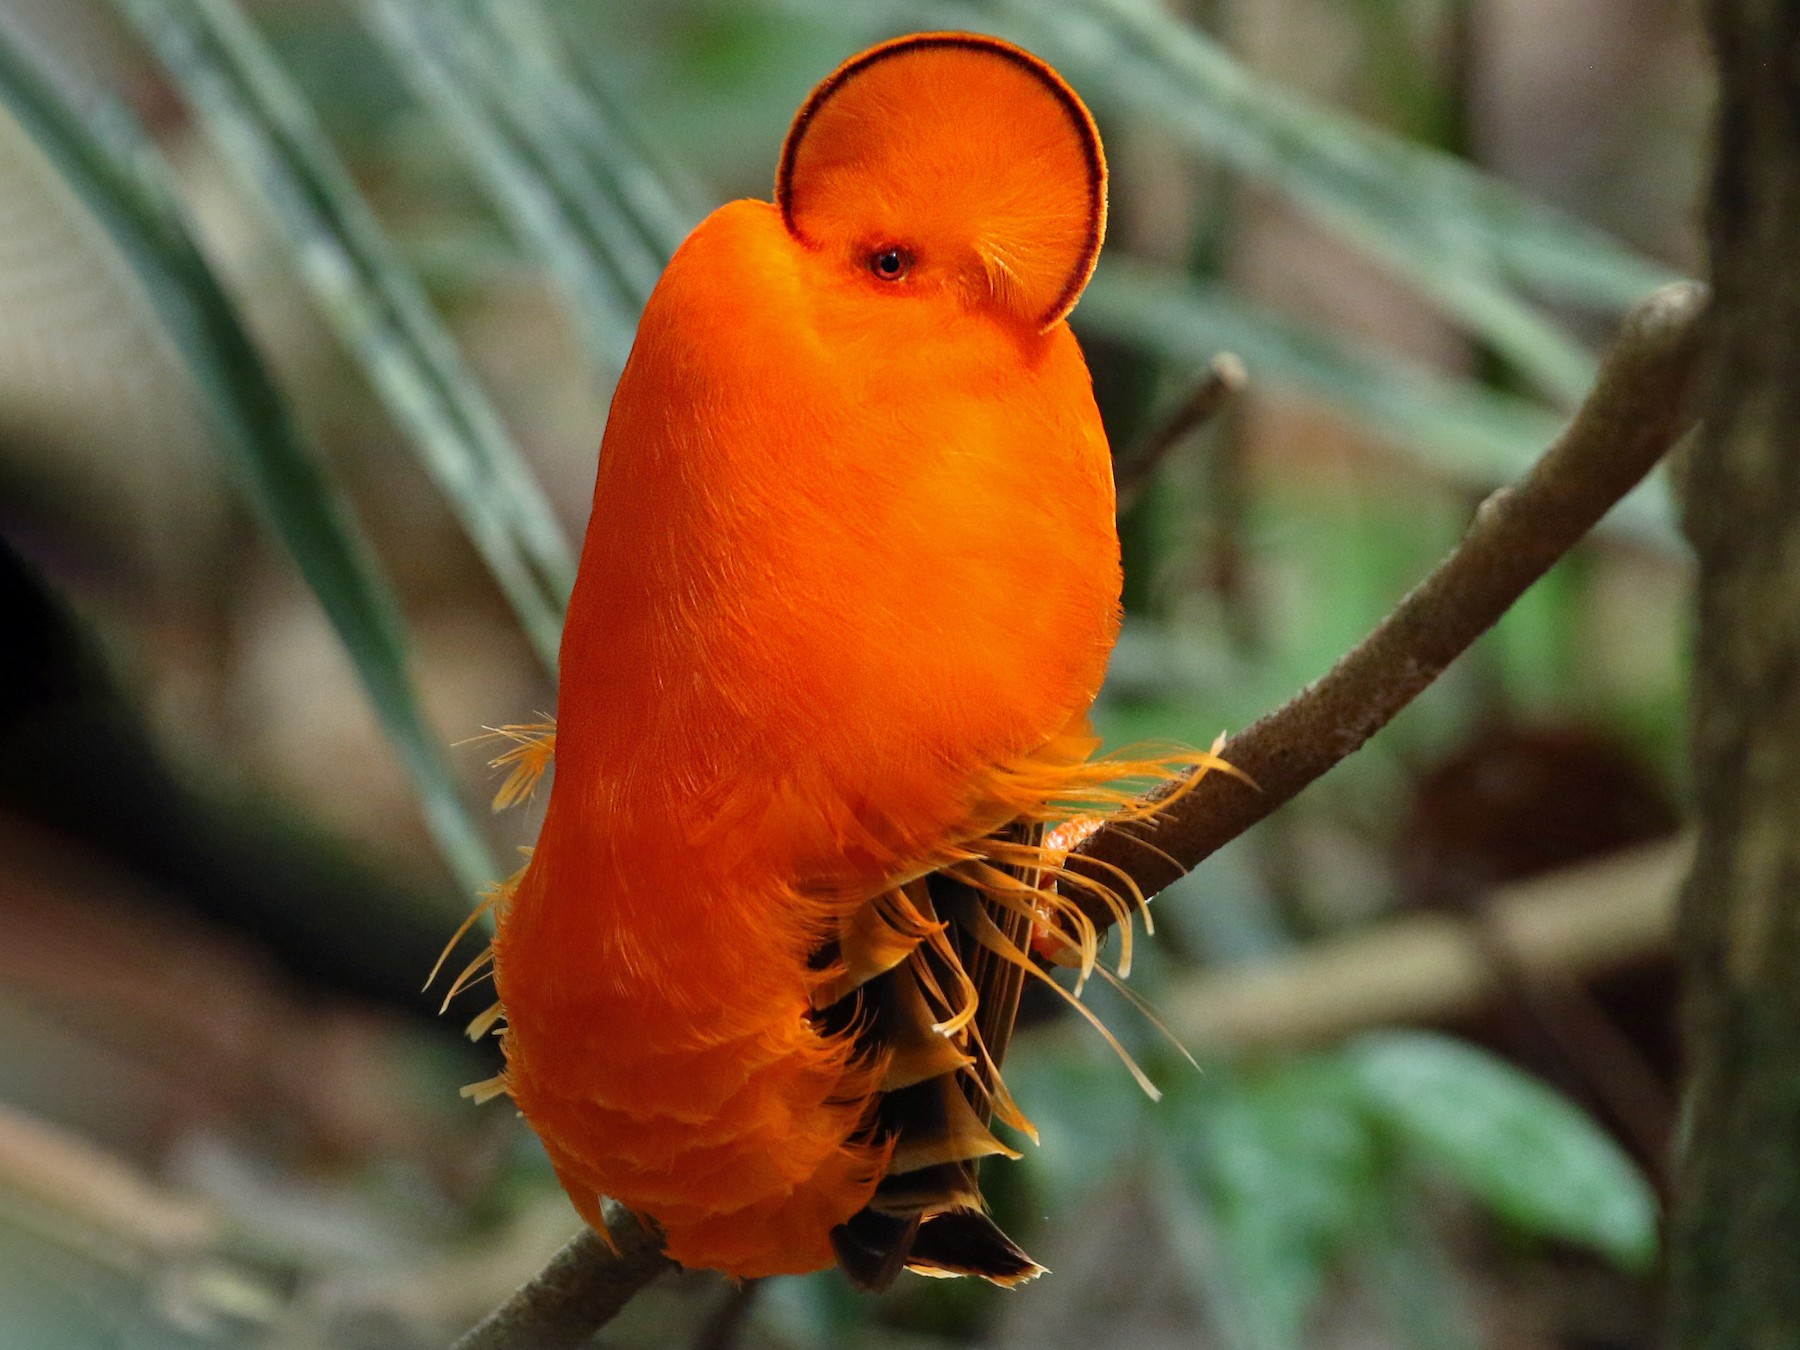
927,1214
967,1242
872,1248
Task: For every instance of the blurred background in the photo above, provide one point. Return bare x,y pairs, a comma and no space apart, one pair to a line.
309,315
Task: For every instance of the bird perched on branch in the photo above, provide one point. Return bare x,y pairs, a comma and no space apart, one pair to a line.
848,591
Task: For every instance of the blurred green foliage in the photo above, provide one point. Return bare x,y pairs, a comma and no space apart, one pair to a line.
109,161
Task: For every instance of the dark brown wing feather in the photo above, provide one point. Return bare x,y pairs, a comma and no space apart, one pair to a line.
928,1213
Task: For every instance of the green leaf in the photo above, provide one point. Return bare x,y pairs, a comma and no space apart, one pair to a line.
47,1299
1465,428
557,160
1402,1259
1088,1114
1283,1166
651,189
1525,1151
273,139
1474,435
537,185
104,158
1465,239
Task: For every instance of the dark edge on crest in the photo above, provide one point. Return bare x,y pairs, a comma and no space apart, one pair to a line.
1086,132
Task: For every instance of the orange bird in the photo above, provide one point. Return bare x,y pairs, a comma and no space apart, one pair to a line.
848,591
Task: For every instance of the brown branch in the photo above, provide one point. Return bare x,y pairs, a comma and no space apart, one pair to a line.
1225,377
1638,408
580,1291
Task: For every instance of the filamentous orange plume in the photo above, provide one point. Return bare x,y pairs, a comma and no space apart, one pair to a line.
848,590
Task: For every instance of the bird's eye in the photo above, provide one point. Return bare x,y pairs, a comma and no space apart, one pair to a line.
890,263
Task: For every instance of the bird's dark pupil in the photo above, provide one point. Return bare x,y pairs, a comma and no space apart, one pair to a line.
889,263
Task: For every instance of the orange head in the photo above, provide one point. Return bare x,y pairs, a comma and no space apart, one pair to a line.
955,162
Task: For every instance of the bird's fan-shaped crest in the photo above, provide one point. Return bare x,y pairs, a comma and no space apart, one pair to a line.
962,147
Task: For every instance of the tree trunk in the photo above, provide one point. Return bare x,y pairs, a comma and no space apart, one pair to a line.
1735,1233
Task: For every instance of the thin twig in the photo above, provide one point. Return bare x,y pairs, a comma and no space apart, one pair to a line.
1225,376
1637,410
1639,407
580,1291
